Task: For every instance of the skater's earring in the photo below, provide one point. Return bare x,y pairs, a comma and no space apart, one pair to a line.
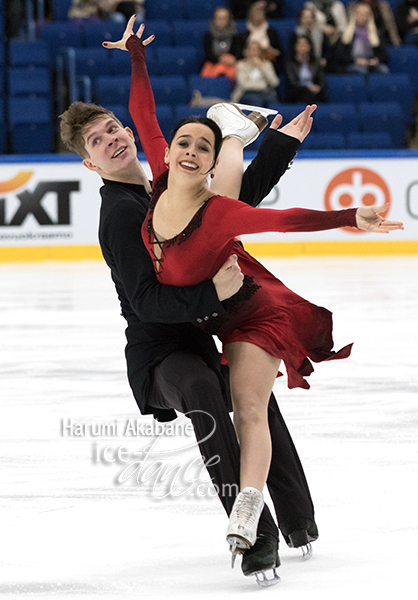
212,175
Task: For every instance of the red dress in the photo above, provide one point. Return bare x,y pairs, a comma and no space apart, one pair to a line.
264,312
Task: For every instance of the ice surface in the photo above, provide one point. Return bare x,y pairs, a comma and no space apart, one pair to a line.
69,530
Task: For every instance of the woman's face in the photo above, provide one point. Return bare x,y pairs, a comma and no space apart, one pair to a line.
257,15
307,18
362,15
302,46
221,18
192,151
253,50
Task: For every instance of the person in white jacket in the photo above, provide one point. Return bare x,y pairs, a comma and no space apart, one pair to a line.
256,78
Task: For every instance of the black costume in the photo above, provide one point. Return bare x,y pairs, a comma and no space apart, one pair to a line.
168,357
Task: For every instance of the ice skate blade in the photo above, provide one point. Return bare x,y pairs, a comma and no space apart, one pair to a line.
306,551
264,581
237,545
263,111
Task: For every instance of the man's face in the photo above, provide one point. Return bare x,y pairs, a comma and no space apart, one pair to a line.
110,147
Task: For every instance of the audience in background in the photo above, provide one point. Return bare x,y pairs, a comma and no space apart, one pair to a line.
407,21
331,18
256,78
384,19
116,10
217,43
307,25
360,48
274,8
258,30
307,83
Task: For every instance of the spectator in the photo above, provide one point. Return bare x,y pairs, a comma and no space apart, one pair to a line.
407,21
217,45
331,17
360,49
307,83
274,9
106,9
258,30
256,78
307,25
384,19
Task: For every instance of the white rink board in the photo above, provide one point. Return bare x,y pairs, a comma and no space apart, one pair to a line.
57,203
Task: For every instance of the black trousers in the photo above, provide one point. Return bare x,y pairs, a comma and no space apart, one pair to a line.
184,382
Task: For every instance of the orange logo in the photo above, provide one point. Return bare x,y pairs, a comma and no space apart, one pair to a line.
354,188
15,182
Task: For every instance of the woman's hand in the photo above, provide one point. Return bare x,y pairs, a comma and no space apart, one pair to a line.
368,219
299,127
121,44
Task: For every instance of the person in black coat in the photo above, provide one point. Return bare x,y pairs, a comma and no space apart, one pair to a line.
306,78
406,16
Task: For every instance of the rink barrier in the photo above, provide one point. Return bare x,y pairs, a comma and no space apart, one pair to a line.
260,250
49,205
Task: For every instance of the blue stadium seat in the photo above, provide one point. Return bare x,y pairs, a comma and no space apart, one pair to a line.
404,59
180,60
26,54
113,90
347,88
289,111
165,118
218,87
162,30
167,10
120,62
61,8
324,141
190,32
2,53
335,118
369,141
392,87
170,89
2,128
96,32
292,8
383,116
201,9
182,111
30,125
60,35
29,82
285,28
94,62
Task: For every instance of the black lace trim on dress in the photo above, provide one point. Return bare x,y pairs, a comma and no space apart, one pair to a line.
195,223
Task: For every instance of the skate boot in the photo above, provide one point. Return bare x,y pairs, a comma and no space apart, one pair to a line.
234,123
242,528
262,557
303,538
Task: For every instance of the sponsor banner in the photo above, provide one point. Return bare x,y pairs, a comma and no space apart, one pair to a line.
57,204
333,184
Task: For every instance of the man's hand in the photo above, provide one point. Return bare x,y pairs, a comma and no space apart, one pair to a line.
228,280
121,44
299,127
368,219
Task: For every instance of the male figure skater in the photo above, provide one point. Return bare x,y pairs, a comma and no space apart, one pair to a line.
173,365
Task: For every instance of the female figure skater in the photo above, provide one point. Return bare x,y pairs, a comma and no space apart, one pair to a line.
189,232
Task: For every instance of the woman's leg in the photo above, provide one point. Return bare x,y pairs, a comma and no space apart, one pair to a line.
252,375
228,172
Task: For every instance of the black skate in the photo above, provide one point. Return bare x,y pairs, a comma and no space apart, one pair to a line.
261,558
302,538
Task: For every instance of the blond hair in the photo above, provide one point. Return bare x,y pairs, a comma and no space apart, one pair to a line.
75,119
348,34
